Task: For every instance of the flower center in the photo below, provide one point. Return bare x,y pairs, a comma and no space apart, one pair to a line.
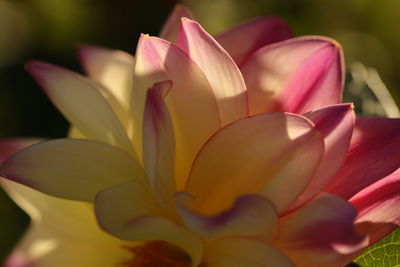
157,253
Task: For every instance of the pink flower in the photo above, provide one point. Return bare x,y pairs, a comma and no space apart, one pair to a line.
226,151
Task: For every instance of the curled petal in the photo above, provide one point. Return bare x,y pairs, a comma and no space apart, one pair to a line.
243,40
239,252
297,75
128,212
81,102
71,168
261,154
378,207
250,216
335,123
373,154
321,233
111,68
170,29
220,69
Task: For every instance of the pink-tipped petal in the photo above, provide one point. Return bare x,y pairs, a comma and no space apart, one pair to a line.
243,40
220,69
374,153
128,212
81,102
297,75
62,233
191,102
250,216
335,123
12,146
111,68
262,154
71,168
378,207
321,233
171,27
240,252
159,146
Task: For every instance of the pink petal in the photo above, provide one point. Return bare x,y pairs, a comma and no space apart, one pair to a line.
12,146
159,146
220,69
71,168
111,68
297,75
81,102
374,153
250,216
240,252
171,27
243,40
128,212
378,207
191,102
321,233
261,154
335,123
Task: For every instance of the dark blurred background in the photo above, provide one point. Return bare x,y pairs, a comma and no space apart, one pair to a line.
50,30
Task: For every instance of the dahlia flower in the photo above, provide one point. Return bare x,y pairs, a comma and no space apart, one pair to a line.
231,150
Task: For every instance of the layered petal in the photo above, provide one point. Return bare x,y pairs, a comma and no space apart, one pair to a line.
253,35
71,168
170,29
73,94
239,252
263,154
159,146
297,75
128,212
220,69
190,101
335,123
111,68
13,145
321,233
378,207
374,153
250,216
62,233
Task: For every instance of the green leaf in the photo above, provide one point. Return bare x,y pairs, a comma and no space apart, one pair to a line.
385,253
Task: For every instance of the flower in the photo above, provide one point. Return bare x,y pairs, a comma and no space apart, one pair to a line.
225,151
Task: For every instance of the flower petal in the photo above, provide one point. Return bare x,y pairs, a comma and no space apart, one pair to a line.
159,147
243,40
250,216
374,153
62,233
296,75
71,168
81,103
378,207
190,101
335,123
12,146
128,212
263,154
111,68
239,252
321,233
170,29
220,69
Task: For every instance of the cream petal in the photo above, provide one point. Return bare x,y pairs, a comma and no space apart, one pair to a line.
13,145
220,69
71,168
81,103
128,212
264,153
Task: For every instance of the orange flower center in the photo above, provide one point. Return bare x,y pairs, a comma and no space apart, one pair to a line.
157,253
